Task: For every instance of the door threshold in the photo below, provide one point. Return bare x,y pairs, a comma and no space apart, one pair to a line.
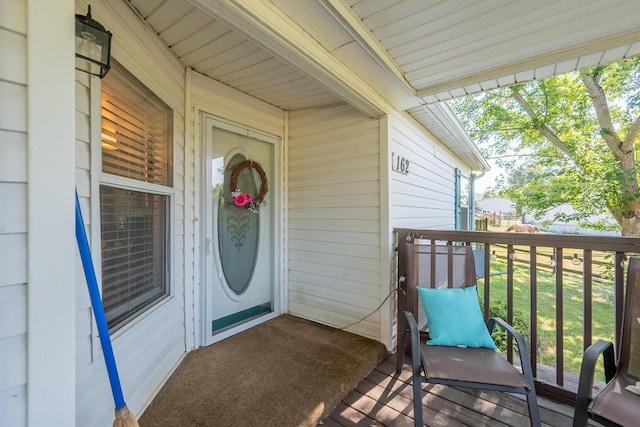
235,319
241,327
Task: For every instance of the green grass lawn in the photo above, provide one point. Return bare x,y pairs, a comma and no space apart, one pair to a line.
603,311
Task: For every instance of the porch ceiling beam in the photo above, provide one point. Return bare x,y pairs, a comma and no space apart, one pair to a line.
351,22
476,78
266,25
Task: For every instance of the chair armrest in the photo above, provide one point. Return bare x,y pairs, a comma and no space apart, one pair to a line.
523,351
587,372
412,326
520,342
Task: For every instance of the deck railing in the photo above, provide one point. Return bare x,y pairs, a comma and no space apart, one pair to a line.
548,266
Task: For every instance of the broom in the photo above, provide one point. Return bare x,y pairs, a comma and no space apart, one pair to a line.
124,418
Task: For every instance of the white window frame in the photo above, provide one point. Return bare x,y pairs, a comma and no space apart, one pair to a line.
99,178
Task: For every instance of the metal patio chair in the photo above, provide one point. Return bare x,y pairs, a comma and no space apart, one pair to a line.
448,267
480,264
615,405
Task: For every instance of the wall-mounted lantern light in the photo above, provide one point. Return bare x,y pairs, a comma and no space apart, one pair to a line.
93,46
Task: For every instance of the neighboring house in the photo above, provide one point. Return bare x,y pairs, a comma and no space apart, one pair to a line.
550,224
497,205
338,132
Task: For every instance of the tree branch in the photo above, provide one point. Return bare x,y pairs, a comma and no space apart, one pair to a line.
540,126
500,130
599,99
630,140
533,155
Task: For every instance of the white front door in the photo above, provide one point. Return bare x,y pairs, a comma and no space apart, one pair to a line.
240,222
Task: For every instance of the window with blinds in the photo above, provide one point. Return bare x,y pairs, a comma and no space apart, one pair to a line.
136,130
134,255
136,145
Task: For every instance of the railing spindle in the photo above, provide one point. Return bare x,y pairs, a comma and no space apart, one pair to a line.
559,318
619,294
533,283
487,280
588,297
510,256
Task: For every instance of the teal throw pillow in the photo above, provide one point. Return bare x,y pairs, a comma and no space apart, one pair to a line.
454,317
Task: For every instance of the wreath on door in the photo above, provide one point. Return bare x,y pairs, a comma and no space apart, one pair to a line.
246,200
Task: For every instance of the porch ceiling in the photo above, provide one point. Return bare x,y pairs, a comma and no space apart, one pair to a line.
373,54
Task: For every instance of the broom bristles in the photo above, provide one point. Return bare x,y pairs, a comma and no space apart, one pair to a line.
124,418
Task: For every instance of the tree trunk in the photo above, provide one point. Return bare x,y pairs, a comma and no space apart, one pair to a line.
624,152
631,226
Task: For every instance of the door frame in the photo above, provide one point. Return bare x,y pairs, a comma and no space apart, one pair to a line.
205,119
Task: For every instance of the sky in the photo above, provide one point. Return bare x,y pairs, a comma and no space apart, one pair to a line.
489,178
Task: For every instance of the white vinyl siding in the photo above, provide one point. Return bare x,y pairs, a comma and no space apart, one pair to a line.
424,198
13,214
149,348
36,313
334,262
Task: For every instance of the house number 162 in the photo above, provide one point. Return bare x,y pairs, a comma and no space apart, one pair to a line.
400,164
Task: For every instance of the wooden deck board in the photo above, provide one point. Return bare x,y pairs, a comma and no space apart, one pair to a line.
384,398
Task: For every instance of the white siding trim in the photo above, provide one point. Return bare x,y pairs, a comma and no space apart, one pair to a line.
191,311
284,243
51,226
95,147
387,311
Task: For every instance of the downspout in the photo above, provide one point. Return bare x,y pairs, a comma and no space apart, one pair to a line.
472,199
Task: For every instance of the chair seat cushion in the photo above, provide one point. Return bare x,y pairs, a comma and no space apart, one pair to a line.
616,404
475,365
454,317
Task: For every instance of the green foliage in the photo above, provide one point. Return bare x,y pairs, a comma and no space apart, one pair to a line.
498,308
550,128
573,298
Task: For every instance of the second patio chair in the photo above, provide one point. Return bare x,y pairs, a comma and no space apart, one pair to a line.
481,264
616,404
460,350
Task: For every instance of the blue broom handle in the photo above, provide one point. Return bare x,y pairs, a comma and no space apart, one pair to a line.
98,309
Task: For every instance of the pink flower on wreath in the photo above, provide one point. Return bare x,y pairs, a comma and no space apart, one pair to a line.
242,199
